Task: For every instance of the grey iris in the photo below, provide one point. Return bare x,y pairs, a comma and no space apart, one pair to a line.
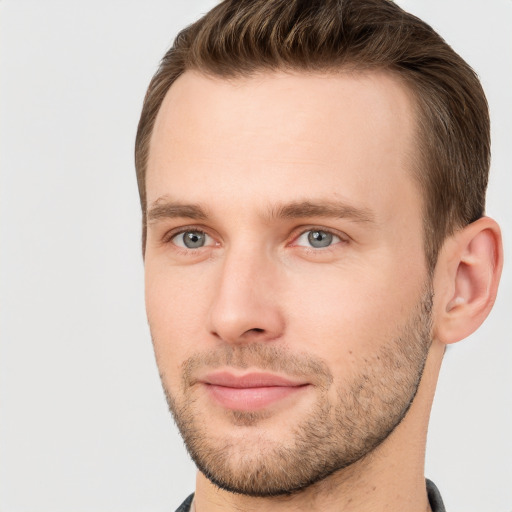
193,239
319,238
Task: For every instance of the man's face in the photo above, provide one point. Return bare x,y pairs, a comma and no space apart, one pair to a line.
286,284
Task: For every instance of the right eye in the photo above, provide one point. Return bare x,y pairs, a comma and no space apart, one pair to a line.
192,239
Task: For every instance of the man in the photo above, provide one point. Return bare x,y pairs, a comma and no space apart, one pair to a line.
312,179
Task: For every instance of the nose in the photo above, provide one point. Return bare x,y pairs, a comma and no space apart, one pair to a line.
245,307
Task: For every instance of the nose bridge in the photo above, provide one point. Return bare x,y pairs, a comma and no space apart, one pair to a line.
241,265
244,305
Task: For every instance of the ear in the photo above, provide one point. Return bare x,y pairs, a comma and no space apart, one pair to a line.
466,280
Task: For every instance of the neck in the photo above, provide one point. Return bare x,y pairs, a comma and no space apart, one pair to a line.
389,478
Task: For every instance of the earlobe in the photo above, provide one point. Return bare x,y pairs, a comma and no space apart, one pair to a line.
467,276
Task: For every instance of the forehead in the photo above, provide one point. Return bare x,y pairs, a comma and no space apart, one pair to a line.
278,133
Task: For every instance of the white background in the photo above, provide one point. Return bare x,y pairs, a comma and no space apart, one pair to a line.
84,425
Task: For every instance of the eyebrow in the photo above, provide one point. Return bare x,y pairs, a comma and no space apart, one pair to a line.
331,209
166,208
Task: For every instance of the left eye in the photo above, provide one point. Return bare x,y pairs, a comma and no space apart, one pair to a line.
317,238
192,239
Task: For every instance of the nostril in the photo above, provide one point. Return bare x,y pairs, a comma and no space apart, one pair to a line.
253,331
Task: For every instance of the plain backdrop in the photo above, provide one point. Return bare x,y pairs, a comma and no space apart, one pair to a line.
84,425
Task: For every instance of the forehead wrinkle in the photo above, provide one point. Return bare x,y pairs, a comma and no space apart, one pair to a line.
332,209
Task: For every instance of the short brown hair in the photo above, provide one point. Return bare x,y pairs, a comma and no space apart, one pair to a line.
241,37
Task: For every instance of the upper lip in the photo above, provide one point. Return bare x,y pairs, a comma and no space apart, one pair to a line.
249,380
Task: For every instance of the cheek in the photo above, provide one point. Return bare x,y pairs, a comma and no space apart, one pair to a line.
345,317
339,313
176,309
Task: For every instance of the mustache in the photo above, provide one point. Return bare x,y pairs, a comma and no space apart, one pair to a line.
264,357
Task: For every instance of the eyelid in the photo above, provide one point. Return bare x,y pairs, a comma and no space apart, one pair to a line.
172,233
296,234
306,229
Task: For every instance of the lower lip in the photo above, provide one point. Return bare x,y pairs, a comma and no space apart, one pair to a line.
251,399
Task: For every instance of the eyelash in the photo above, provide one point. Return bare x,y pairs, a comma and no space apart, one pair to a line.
167,239
317,250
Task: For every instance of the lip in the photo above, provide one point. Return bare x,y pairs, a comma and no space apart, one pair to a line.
251,391
249,380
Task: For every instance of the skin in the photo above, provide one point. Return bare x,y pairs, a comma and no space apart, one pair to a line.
241,150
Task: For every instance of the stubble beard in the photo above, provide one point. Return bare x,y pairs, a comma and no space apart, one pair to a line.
330,437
